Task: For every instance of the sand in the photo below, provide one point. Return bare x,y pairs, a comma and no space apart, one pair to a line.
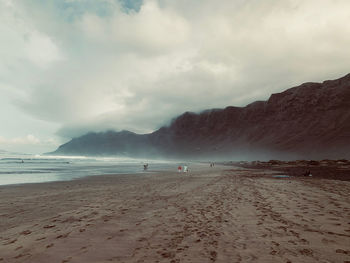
220,214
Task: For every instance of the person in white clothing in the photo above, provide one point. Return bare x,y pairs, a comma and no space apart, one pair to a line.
185,169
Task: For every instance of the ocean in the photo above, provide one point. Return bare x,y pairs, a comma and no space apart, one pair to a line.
38,169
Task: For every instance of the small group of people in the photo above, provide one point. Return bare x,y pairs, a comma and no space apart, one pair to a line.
182,169
211,164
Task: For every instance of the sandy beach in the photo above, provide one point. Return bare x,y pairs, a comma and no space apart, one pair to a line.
220,214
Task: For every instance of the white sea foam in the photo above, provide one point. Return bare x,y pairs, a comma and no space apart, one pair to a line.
20,169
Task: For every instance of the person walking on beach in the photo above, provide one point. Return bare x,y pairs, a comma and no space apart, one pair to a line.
185,169
179,169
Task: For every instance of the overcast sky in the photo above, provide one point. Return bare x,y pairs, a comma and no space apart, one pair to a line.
72,66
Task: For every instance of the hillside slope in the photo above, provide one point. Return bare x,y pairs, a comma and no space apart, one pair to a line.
308,121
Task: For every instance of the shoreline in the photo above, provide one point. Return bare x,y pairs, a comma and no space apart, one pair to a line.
208,215
71,179
61,177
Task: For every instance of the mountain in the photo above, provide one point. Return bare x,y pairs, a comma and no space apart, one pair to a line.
308,121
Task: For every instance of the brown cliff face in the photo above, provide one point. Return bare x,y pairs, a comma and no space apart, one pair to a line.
308,121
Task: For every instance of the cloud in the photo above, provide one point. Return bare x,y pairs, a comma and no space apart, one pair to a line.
27,140
97,65
27,144
22,43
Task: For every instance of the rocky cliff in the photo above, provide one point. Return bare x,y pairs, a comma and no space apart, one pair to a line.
308,121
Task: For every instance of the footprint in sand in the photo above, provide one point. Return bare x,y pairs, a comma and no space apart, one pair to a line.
341,251
21,255
63,236
66,260
168,254
26,232
306,252
49,226
10,242
213,255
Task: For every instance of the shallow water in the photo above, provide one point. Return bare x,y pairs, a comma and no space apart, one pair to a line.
281,176
37,169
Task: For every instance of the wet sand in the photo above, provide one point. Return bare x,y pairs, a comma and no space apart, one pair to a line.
325,169
222,214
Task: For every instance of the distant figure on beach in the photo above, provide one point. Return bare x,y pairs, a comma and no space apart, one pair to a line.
308,173
185,169
211,164
22,161
179,169
145,166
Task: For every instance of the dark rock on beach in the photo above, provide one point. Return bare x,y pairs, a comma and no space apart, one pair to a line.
325,169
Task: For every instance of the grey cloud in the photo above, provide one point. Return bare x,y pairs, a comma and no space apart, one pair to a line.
137,70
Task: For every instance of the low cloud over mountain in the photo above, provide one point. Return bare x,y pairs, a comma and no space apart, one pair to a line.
308,121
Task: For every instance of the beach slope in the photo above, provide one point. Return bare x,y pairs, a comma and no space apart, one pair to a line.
223,214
